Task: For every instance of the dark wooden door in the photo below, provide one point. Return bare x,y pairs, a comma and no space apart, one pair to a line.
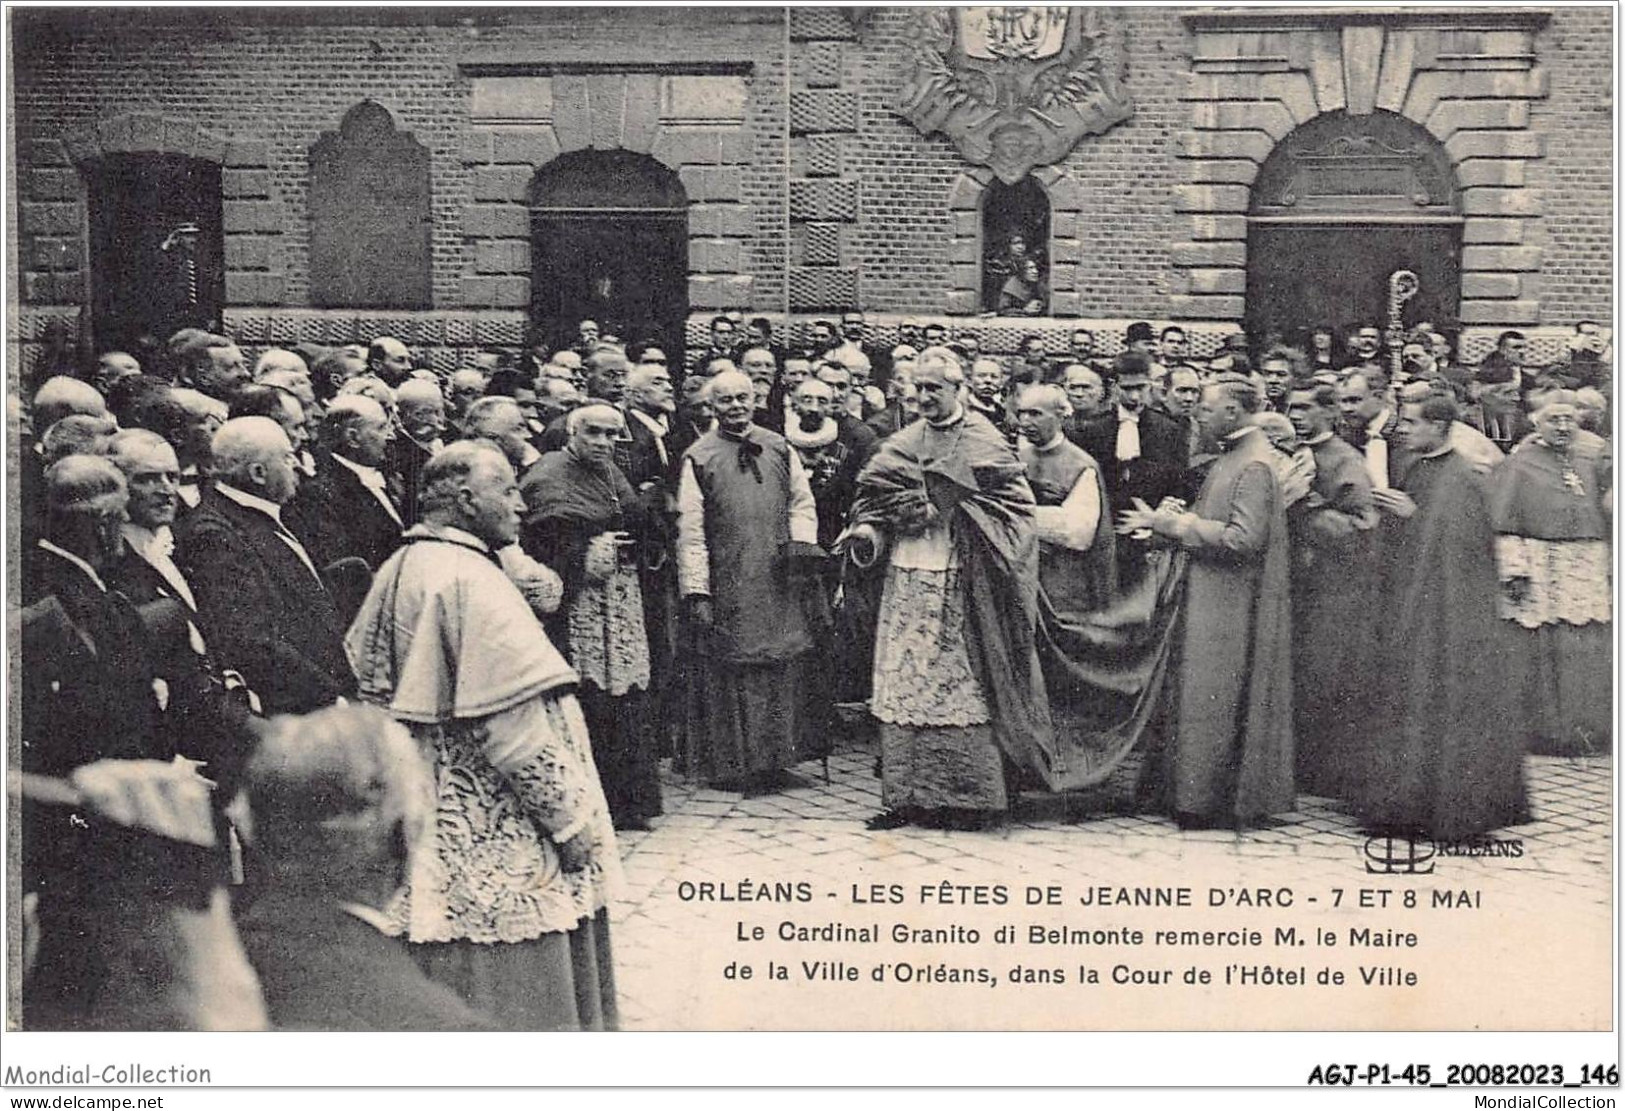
626,270
1302,276
609,242
156,251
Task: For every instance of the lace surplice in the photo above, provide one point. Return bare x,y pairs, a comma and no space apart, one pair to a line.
923,673
1570,581
509,788
608,645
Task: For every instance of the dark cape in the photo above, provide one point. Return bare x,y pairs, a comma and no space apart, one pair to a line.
1443,759
981,488
567,503
1104,656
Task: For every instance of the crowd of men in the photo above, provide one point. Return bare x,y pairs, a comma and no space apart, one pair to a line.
330,651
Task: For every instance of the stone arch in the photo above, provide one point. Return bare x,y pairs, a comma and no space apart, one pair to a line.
1378,193
609,241
148,133
54,243
1467,79
253,216
1340,166
691,124
965,203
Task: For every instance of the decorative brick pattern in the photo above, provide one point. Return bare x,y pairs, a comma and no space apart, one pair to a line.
819,23
821,65
822,155
824,110
821,245
1125,205
830,288
823,200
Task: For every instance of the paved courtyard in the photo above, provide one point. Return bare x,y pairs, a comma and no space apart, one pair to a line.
676,937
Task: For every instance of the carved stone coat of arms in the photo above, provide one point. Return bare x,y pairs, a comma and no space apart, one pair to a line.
1014,87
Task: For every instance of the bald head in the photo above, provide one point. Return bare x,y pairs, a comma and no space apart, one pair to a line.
199,405
336,797
63,396
358,428
1045,396
113,367
649,388
730,379
279,360
132,443
388,358
813,388
501,421
470,485
75,481
253,454
152,470
1040,411
421,409
940,361
463,388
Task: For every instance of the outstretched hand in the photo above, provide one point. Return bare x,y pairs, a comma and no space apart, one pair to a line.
1137,519
1395,503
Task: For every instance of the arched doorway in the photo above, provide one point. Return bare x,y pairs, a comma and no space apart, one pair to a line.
609,241
1015,235
1338,206
156,246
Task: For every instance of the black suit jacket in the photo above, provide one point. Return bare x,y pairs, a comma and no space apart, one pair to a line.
1159,472
87,694
641,462
206,721
87,674
338,518
322,968
404,466
264,613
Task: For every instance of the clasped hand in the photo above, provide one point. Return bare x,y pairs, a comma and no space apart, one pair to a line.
1142,518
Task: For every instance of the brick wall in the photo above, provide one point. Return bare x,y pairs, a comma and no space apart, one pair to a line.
254,92
1115,255
1576,176
819,196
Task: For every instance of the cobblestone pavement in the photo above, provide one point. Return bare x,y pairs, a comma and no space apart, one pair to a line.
1554,898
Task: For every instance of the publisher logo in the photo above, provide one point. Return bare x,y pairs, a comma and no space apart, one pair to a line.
1392,856
1412,856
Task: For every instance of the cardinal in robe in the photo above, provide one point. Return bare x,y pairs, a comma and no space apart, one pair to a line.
1229,761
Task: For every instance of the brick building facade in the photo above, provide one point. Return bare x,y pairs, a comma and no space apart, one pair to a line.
803,191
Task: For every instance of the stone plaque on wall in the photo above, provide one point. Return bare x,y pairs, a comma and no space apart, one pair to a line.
369,215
